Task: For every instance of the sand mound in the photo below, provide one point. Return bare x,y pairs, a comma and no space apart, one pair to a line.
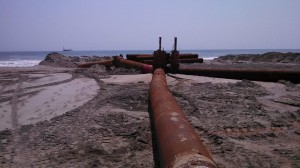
59,60
273,57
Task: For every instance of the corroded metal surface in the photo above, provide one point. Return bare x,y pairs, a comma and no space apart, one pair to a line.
189,60
178,143
142,57
175,56
89,64
134,57
119,61
175,59
187,55
271,75
147,68
160,59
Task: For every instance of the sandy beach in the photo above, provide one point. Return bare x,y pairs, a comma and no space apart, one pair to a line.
98,117
150,84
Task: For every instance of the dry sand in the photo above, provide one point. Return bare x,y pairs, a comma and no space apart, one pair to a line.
63,117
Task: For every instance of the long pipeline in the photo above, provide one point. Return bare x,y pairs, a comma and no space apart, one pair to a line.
89,64
119,61
178,143
142,57
187,60
133,57
270,74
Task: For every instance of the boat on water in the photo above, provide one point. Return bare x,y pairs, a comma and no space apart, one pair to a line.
64,49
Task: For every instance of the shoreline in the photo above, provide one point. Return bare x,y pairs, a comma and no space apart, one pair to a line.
12,59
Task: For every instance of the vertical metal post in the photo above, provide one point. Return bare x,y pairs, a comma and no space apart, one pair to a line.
160,58
159,48
175,43
175,57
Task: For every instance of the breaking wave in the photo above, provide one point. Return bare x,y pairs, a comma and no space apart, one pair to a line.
19,63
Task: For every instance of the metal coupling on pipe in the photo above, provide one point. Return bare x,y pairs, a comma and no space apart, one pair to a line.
178,143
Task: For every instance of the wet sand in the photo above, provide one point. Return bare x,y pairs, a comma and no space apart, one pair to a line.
33,96
68,117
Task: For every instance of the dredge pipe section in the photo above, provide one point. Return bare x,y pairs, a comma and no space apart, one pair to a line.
178,143
189,60
119,61
270,75
89,64
142,57
134,57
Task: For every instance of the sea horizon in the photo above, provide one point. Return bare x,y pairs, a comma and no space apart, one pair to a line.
32,58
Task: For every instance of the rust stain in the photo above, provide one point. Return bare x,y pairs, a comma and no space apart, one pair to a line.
178,143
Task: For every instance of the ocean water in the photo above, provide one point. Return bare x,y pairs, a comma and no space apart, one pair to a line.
32,58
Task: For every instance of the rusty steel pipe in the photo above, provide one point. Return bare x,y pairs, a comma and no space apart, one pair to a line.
142,57
119,61
189,60
178,143
159,47
175,43
269,75
187,55
133,57
89,64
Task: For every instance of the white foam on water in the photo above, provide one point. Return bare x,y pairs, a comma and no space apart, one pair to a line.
209,58
19,63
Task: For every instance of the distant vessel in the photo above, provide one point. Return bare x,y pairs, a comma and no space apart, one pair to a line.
64,49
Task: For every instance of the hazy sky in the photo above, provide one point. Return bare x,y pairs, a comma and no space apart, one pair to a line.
137,24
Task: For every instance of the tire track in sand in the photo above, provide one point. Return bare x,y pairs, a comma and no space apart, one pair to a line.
2,88
14,107
14,120
17,156
74,76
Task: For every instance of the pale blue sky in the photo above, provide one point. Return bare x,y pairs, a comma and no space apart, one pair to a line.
137,24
